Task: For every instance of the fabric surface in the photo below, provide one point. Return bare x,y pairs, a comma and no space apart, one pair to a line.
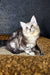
26,65
14,11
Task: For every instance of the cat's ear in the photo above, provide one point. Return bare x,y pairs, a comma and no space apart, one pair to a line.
33,20
23,25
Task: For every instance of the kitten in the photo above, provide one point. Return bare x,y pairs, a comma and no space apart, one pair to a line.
25,39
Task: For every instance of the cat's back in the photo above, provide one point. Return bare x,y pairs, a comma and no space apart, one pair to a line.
14,40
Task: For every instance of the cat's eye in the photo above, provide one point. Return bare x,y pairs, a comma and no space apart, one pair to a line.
26,28
31,26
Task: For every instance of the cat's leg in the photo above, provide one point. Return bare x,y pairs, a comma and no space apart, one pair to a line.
11,46
29,51
41,53
37,51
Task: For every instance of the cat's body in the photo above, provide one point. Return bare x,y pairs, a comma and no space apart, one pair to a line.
25,39
16,42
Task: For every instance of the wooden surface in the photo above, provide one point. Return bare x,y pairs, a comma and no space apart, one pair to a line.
4,37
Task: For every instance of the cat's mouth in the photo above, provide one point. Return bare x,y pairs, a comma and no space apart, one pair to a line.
32,32
29,34
35,33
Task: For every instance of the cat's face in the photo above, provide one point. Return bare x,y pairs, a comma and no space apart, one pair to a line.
30,27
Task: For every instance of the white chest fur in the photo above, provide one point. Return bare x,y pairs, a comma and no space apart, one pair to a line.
32,41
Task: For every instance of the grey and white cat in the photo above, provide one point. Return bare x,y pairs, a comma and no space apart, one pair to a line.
25,39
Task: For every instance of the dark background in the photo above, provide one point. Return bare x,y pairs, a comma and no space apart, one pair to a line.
14,11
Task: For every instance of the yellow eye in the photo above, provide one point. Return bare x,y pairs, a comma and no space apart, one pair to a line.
26,28
31,26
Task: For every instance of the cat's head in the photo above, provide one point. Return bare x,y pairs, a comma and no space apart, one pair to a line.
30,28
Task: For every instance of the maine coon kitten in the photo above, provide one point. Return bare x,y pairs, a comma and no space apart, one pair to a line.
25,39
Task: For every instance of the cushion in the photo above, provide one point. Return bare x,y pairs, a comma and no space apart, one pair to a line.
14,11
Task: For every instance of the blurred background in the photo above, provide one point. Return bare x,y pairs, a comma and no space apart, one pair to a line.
14,11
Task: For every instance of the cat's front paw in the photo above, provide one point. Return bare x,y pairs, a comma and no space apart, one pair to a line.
41,53
32,53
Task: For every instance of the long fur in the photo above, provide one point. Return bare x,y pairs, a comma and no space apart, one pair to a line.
25,39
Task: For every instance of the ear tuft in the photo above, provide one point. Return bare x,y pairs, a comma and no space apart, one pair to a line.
33,20
22,24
